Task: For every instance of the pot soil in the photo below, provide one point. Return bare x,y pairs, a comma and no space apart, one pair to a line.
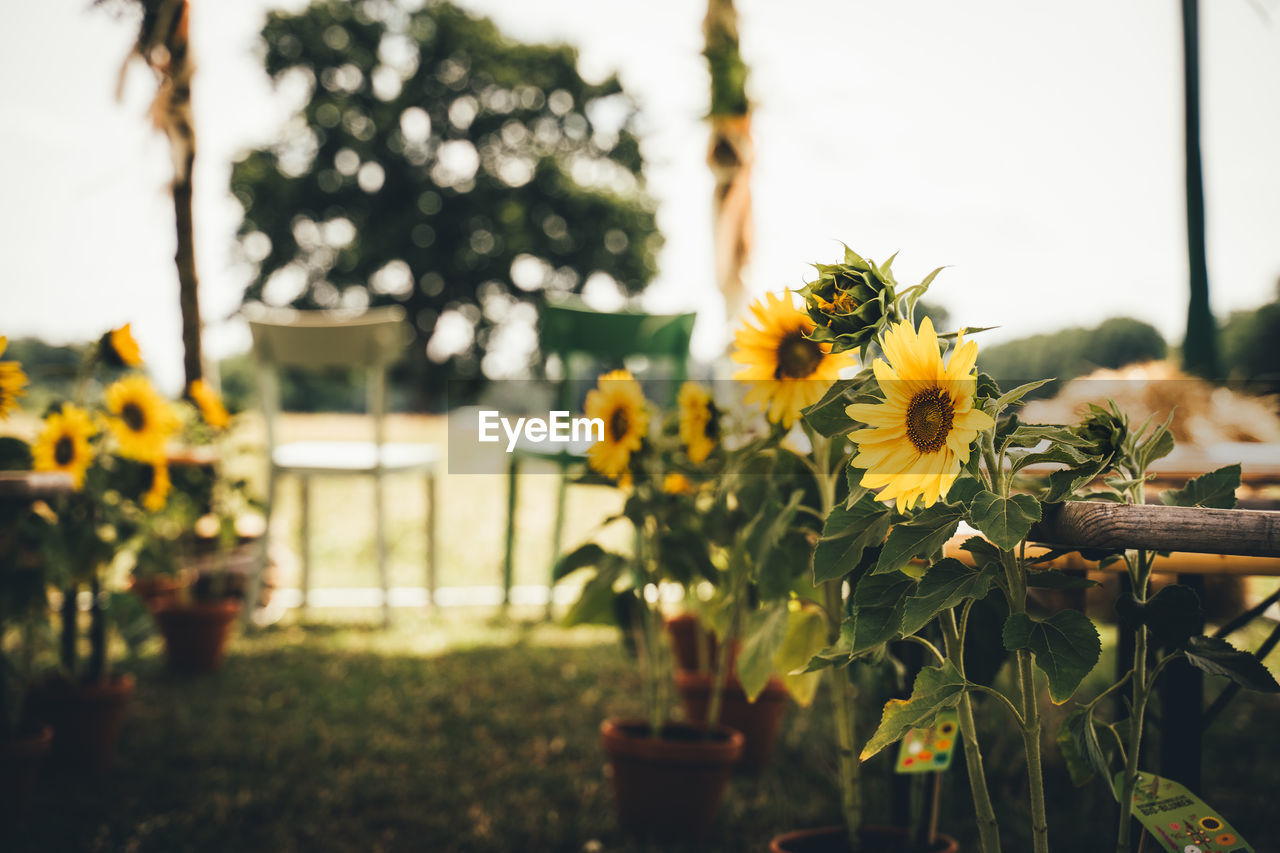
196,633
758,721
834,839
86,718
668,788
20,760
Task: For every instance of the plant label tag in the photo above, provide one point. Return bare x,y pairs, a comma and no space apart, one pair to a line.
929,749
1180,820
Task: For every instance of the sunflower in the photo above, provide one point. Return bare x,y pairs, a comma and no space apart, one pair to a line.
143,419
63,444
13,382
209,404
619,403
787,371
676,483
119,349
922,433
158,489
699,421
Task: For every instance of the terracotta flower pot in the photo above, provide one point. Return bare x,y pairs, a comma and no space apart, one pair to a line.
758,721
157,591
20,759
669,787
196,633
86,718
683,630
834,839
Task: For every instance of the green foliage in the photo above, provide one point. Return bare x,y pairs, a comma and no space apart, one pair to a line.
1214,489
1083,753
846,535
947,583
1066,646
1005,521
1251,345
435,163
1072,352
1172,615
935,688
922,536
1218,657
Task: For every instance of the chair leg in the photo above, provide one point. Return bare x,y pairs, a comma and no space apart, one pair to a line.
304,497
557,535
508,563
253,589
433,545
383,577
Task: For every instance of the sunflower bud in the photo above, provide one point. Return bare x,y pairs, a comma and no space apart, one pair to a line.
1105,430
119,349
849,302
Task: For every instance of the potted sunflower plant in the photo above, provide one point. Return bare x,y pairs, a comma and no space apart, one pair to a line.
944,444
113,449
24,743
749,517
1167,626
202,546
668,777
793,365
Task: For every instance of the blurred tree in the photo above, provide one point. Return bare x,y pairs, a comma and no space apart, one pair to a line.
1072,352
439,165
1251,346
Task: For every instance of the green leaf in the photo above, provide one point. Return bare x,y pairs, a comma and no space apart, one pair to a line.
764,635
827,416
1218,657
1078,738
596,602
1005,521
1054,579
919,537
846,534
947,583
837,654
1172,615
1008,398
1066,647
1030,435
588,555
806,636
1155,446
879,602
982,550
1063,484
1214,489
936,687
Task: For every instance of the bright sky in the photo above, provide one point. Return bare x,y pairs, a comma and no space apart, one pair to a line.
1034,147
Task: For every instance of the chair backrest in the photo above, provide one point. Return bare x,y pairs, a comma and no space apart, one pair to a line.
570,330
372,340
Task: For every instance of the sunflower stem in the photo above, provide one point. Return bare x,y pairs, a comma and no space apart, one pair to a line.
984,812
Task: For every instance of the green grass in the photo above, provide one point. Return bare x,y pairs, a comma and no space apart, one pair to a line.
470,735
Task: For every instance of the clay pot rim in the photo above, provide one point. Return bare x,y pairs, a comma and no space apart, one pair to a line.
222,607
692,680
619,741
820,831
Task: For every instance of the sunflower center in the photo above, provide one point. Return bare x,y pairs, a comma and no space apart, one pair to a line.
619,423
798,357
929,417
64,451
133,417
844,303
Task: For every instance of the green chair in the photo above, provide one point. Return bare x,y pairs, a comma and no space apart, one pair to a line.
373,340
586,343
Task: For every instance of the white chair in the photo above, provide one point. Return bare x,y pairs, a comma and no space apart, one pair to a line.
319,339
